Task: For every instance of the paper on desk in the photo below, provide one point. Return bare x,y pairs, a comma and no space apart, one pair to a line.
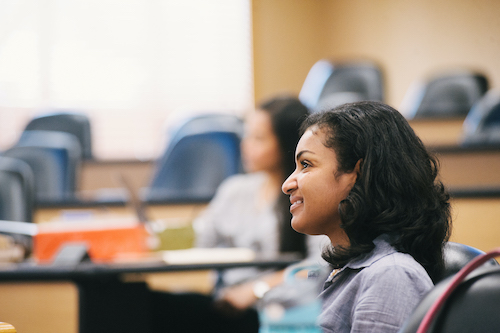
208,255
88,224
22,228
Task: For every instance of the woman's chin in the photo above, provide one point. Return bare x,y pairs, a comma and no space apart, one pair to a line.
297,226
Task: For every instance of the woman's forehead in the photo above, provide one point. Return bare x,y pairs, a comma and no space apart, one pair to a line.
313,140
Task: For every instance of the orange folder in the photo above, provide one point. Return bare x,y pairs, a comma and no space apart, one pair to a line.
105,241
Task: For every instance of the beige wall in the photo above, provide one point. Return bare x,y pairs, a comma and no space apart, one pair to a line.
410,39
288,38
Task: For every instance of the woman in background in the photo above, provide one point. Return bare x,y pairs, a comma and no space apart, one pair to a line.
249,209
364,179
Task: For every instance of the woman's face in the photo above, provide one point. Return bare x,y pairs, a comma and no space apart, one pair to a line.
260,146
316,188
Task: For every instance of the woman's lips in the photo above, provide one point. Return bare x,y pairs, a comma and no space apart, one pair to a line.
295,204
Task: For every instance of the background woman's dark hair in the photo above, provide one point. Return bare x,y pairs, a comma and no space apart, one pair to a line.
397,191
287,113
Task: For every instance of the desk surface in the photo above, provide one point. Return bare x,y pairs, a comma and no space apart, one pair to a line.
156,209
89,271
464,149
475,213
475,192
76,202
437,131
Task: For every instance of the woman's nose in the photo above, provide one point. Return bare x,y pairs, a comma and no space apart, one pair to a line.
289,185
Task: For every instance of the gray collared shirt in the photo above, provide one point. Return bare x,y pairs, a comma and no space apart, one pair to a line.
375,293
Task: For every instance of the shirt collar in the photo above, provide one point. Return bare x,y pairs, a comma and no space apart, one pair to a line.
382,248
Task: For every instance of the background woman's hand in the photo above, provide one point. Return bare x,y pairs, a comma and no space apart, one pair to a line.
240,296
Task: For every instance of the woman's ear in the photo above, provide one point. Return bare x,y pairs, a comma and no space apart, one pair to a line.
354,174
358,166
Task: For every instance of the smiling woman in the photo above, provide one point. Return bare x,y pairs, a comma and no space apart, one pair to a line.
364,179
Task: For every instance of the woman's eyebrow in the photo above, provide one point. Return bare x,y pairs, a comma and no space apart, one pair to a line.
302,152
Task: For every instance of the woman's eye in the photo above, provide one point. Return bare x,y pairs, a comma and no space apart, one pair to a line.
304,164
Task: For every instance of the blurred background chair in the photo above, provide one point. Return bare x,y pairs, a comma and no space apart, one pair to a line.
447,95
206,122
70,122
482,125
17,198
457,255
329,84
201,153
472,307
54,158
17,190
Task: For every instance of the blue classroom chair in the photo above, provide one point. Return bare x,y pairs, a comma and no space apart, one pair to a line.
201,153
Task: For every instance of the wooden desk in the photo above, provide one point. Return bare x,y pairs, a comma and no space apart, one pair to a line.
98,174
51,211
438,132
460,166
468,167
476,217
107,299
40,306
24,302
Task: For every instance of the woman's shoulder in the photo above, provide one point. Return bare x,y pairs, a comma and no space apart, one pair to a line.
396,272
401,262
385,262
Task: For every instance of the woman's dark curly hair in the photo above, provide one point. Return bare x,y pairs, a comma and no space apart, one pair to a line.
397,191
287,113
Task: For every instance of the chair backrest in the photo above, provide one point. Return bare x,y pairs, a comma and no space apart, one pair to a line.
70,122
446,95
207,122
202,123
329,84
195,165
457,255
17,190
54,158
472,307
482,124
